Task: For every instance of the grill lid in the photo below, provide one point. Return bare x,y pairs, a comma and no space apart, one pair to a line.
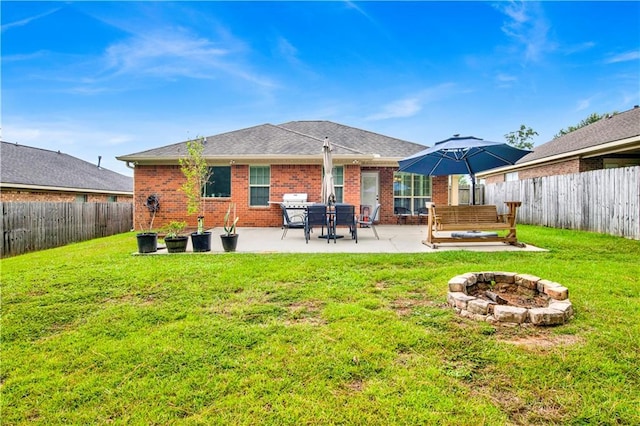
294,198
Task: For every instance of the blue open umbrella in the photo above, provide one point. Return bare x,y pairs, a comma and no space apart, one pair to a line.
460,156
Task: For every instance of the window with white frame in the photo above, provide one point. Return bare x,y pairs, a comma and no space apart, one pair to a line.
411,191
511,176
338,182
259,185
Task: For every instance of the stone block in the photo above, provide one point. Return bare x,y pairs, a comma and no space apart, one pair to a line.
527,281
504,313
558,293
564,306
478,306
459,299
546,316
486,277
458,284
471,278
540,285
505,277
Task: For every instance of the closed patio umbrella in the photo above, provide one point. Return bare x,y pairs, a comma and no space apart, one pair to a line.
328,187
460,156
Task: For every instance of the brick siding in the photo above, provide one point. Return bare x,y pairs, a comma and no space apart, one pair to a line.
165,182
574,165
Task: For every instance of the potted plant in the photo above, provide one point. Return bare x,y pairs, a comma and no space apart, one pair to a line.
230,237
174,240
147,238
195,170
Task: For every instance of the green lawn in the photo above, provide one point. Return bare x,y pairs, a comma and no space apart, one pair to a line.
93,335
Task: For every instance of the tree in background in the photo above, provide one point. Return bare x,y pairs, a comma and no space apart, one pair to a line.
521,137
589,120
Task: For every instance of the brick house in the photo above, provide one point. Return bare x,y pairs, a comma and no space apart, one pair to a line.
35,174
256,166
613,141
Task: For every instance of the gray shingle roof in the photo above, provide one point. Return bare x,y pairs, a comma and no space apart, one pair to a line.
293,139
25,165
617,127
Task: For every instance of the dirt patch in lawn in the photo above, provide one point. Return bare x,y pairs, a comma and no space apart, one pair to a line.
404,306
543,341
305,312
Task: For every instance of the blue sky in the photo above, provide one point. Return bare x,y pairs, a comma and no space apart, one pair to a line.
114,78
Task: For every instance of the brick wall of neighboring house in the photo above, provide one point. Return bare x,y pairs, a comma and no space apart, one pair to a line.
165,182
574,165
22,195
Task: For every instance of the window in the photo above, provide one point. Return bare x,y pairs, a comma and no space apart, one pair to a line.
338,183
219,183
82,198
259,181
411,191
112,198
511,176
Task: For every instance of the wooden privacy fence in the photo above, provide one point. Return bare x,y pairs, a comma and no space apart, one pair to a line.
605,201
33,226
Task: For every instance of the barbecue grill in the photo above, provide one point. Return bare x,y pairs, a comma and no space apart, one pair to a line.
295,204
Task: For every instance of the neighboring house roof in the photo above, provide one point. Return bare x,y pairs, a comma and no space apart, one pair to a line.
617,133
35,168
294,141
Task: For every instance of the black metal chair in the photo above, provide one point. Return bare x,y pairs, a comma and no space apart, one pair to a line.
369,222
295,221
345,215
423,214
402,213
316,216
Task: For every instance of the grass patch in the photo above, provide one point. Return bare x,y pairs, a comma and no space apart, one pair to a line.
91,334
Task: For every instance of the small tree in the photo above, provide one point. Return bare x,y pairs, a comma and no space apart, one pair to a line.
521,137
589,120
195,170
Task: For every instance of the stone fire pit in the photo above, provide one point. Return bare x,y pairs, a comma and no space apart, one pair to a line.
508,297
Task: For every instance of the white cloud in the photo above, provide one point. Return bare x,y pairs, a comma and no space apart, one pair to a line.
27,21
527,26
505,80
632,55
583,104
413,104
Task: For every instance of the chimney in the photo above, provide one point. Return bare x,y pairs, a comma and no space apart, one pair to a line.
99,160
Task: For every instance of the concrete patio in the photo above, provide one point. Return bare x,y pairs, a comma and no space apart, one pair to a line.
393,239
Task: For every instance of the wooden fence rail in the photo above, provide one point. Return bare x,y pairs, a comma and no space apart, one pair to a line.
605,201
32,226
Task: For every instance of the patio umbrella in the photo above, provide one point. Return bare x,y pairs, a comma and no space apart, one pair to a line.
328,188
460,156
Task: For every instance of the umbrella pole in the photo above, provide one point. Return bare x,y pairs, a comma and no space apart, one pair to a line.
473,189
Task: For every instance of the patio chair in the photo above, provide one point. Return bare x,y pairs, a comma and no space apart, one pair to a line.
345,215
402,213
368,222
423,214
316,216
295,221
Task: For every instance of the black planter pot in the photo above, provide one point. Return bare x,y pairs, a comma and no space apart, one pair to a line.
229,242
147,242
201,242
177,244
